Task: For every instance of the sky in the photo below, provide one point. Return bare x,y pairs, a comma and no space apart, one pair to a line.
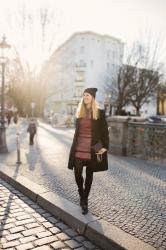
128,20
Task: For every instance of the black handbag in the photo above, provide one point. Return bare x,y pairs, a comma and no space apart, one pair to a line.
97,147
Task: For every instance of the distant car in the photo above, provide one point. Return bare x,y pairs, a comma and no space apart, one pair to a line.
157,119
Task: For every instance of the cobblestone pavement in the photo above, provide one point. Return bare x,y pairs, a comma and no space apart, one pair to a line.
25,225
130,195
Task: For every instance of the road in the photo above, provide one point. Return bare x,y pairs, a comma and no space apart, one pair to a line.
130,195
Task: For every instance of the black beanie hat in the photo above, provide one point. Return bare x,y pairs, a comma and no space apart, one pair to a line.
91,91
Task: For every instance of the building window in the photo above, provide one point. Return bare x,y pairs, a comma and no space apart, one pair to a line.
113,54
108,54
78,92
91,63
82,63
80,76
82,49
108,66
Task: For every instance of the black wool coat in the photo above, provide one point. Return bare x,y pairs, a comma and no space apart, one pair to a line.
32,128
99,133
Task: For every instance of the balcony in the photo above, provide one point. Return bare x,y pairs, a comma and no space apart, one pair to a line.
80,65
79,83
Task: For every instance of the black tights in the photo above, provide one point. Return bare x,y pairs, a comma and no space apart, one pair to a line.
79,178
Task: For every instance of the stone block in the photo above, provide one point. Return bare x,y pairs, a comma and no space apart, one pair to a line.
118,127
27,187
6,174
66,210
108,236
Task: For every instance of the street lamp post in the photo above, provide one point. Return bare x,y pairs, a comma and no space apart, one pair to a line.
3,59
33,107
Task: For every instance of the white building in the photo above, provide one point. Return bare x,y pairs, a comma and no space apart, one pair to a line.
82,61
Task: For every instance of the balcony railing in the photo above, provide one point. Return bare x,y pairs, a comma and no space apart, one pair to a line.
80,65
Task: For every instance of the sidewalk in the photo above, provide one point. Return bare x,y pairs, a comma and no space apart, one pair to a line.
25,225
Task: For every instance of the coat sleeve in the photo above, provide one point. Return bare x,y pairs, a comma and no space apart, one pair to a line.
104,129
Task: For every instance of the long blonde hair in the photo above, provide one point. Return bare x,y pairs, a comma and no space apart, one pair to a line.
81,110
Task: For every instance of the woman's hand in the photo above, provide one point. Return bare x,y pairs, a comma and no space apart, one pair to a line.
101,151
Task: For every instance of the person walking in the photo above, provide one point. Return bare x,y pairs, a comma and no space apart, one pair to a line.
32,130
8,116
15,119
90,144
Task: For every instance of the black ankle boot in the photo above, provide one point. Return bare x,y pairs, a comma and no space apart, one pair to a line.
85,206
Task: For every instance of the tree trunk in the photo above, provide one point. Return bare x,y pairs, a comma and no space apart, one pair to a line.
137,111
119,110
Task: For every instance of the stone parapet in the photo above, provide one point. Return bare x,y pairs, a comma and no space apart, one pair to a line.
118,127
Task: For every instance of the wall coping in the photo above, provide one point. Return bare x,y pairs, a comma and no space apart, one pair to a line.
119,118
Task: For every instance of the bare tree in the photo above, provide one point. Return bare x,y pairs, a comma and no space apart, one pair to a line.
147,72
136,82
118,86
143,88
15,81
26,84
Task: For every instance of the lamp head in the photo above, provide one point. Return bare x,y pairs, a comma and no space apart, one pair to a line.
4,46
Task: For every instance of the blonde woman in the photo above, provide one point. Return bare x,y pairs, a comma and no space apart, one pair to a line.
90,144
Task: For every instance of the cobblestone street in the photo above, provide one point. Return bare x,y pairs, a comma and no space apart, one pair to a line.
25,225
131,195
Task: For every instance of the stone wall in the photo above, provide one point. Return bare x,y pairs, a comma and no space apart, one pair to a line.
134,136
118,127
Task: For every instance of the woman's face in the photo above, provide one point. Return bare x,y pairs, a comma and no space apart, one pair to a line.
87,98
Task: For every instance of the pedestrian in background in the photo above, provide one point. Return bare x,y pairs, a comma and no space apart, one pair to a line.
15,119
32,130
8,116
90,144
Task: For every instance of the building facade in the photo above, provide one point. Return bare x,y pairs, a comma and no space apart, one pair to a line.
161,101
84,60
